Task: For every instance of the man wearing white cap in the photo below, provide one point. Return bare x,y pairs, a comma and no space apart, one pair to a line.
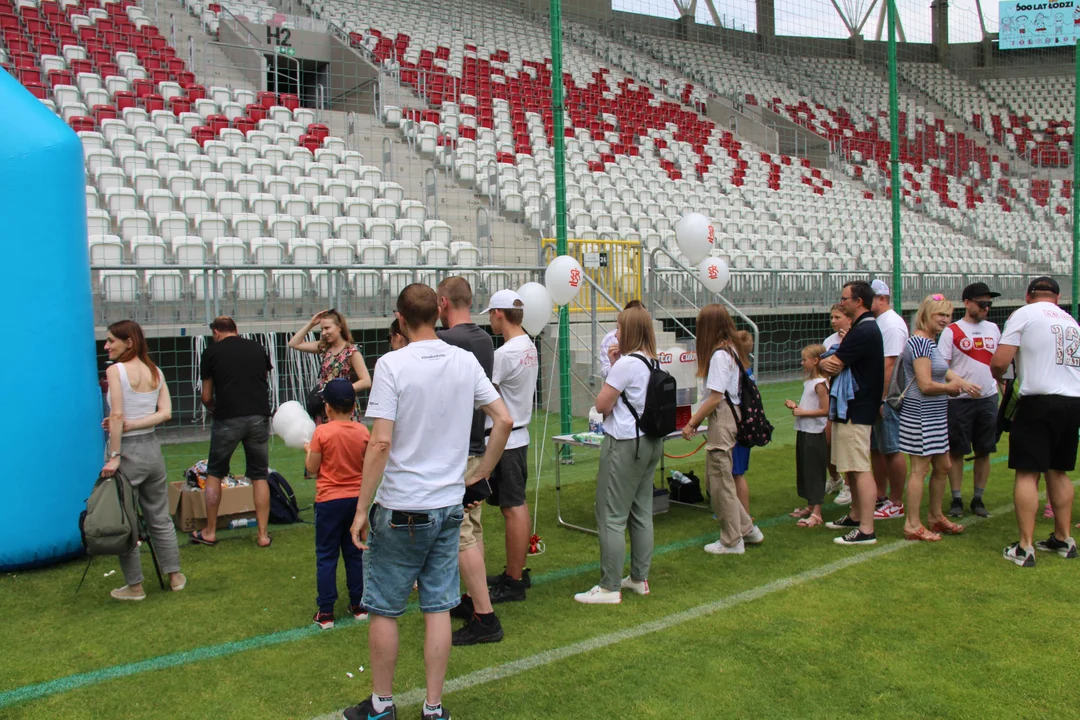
514,375
890,470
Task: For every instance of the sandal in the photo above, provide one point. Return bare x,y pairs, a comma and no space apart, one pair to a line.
922,534
947,527
197,539
810,521
803,512
269,541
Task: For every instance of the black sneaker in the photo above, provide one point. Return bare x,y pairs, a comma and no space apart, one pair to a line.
464,610
507,589
842,523
856,537
1066,549
956,507
364,711
1016,554
526,576
476,631
444,714
324,620
978,507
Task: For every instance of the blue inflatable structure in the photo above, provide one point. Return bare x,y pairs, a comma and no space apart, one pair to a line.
52,440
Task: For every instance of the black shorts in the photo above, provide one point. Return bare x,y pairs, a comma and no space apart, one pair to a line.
973,423
251,430
508,480
1044,433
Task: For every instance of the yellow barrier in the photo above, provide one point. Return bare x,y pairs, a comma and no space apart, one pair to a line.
614,265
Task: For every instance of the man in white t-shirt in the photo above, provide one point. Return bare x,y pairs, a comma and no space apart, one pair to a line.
890,469
1045,342
967,345
514,375
422,400
611,340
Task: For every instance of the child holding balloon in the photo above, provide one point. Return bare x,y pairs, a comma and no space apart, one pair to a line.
335,456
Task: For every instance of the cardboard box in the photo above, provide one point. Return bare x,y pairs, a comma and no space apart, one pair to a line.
188,506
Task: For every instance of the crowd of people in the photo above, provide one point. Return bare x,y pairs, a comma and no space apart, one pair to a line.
401,503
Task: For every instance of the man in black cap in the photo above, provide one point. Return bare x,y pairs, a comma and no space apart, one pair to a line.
1044,340
968,345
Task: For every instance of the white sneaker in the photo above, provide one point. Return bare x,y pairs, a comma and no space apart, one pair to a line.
754,537
599,596
718,548
844,498
641,588
834,485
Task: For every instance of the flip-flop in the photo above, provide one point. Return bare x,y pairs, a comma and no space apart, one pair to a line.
270,541
810,521
197,539
803,512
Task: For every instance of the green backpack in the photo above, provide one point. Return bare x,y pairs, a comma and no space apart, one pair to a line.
110,522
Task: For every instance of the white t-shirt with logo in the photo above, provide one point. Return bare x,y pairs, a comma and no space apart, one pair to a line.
968,348
1048,359
894,333
723,375
429,389
514,375
631,376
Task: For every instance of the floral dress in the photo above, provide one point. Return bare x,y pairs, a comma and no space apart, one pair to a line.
334,366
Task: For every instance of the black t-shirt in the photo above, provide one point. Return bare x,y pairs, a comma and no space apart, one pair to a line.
238,368
471,337
862,350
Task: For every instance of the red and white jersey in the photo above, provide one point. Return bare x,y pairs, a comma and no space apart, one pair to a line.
968,347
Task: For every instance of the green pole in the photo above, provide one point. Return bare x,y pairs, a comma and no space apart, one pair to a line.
557,142
894,161
1076,198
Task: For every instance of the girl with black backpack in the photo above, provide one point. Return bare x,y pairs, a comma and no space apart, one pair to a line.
721,369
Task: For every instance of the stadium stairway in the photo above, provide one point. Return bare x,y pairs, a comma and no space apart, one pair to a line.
211,66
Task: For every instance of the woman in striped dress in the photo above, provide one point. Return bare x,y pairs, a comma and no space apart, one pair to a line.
924,419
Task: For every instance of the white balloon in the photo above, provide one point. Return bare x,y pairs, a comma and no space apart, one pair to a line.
695,236
293,425
538,307
714,274
563,278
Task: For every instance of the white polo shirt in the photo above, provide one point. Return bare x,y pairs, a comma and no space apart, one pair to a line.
1048,358
429,389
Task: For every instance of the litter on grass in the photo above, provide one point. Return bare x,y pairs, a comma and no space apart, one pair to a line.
350,675
111,572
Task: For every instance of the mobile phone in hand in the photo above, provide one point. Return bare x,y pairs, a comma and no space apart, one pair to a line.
478,491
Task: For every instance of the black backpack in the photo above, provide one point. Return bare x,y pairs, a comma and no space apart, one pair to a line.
754,429
657,419
283,507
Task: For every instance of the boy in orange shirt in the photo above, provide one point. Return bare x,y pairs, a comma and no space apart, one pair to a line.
335,456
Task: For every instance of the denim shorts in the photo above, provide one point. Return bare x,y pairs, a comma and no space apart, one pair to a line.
251,430
400,554
886,436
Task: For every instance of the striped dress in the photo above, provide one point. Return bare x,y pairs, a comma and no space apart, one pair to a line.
924,421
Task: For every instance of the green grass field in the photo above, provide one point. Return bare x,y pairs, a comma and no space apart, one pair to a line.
798,627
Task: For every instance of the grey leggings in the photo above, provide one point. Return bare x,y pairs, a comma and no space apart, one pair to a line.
144,467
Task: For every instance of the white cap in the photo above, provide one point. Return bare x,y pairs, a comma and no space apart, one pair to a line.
880,288
505,300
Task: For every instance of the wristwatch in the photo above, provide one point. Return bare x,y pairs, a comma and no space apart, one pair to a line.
114,454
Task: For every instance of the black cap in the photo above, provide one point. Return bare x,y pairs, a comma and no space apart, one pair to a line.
1044,283
978,289
339,393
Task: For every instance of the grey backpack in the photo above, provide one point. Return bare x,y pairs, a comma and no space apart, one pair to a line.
110,522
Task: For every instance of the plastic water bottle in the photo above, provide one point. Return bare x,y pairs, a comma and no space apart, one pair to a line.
242,523
679,477
596,421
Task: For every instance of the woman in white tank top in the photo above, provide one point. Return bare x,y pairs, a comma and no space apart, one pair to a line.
138,402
